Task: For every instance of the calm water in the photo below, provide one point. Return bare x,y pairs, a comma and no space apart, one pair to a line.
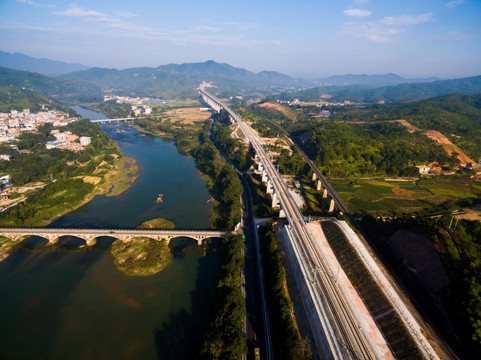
163,170
77,305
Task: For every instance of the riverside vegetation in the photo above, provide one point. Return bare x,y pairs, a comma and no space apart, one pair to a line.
61,180
141,256
286,341
72,178
225,337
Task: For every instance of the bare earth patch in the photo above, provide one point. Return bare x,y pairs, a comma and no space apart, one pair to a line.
469,216
188,115
287,112
94,180
449,146
402,192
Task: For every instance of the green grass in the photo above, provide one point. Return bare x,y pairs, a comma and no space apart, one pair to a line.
343,187
380,187
452,193
141,256
365,194
159,223
384,198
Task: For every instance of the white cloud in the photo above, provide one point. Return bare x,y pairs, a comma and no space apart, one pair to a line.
454,3
34,3
455,36
202,28
79,12
124,14
357,12
387,29
242,25
103,19
406,20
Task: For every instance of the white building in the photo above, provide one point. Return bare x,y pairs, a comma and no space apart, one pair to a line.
52,144
85,140
423,169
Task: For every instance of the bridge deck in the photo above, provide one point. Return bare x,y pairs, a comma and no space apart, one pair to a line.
121,234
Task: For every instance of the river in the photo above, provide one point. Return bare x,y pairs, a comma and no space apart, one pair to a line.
77,305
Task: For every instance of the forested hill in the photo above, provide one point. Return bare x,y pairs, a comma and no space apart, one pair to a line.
60,88
456,116
398,93
15,98
173,79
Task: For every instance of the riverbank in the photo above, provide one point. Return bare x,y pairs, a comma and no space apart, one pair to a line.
157,224
153,132
66,196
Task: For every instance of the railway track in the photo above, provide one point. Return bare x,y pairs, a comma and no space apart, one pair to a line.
343,332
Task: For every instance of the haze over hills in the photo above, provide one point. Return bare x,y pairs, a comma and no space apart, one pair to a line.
47,67
369,80
398,93
147,79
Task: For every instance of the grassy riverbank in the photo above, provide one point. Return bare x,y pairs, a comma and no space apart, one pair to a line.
72,178
157,224
141,256
65,195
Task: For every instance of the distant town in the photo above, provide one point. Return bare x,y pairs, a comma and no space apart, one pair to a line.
15,123
139,105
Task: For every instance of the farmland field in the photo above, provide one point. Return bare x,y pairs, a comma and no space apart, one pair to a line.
382,197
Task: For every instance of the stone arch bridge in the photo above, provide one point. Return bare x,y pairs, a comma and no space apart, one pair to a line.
90,235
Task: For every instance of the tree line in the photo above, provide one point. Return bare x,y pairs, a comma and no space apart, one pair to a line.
225,338
286,340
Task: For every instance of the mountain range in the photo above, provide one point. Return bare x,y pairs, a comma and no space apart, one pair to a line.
173,80
43,66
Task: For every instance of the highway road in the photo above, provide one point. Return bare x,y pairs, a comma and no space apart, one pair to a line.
346,338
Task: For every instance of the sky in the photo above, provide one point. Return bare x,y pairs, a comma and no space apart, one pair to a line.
310,38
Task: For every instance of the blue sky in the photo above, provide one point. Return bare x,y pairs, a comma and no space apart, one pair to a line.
412,38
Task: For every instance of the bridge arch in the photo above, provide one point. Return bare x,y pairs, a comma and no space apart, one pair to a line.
90,235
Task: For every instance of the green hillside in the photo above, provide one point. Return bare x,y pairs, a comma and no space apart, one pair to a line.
456,116
60,88
181,80
16,98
